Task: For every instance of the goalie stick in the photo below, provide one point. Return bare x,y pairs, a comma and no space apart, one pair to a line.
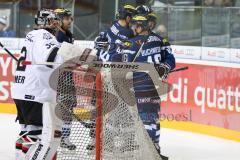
54,63
8,52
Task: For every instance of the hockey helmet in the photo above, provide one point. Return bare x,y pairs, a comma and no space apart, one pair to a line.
140,20
126,10
62,12
143,9
152,16
44,16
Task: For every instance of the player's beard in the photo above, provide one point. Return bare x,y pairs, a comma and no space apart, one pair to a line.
66,26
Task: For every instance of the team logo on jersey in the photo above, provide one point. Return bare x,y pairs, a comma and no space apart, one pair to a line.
47,36
139,42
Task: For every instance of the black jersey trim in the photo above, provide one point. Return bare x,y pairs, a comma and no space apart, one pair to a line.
52,56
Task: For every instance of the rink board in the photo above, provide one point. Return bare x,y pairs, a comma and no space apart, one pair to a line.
184,112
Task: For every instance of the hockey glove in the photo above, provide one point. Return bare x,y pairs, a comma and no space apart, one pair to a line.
101,42
163,70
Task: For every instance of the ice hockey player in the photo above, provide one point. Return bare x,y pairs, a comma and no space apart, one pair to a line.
35,100
107,42
64,35
147,11
117,33
66,19
148,47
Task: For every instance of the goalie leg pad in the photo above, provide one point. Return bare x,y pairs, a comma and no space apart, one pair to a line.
51,135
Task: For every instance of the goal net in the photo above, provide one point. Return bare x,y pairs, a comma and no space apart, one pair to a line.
101,110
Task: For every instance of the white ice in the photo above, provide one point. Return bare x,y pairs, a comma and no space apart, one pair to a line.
178,145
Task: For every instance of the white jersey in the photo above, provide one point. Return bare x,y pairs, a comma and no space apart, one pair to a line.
32,81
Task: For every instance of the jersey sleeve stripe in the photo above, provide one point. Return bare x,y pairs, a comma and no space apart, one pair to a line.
52,56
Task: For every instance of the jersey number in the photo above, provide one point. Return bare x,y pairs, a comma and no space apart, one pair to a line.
22,58
154,59
104,56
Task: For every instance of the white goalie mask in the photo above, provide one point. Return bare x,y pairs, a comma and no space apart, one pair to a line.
44,16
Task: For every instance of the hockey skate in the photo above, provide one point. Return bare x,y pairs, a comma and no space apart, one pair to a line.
18,148
159,151
65,143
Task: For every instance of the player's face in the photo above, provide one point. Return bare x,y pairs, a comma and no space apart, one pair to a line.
54,23
136,29
67,22
128,19
152,25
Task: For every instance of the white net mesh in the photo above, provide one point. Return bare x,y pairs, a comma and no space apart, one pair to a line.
122,135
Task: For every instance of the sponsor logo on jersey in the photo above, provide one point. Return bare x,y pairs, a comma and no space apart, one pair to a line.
148,100
114,30
128,51
154,39
122,36
30,97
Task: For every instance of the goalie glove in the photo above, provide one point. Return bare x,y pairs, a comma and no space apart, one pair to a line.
163,70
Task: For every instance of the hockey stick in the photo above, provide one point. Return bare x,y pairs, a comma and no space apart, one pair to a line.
179,69
54,63
139,51
8,52
139,80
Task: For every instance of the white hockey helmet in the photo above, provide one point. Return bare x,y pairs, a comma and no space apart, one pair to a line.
44,16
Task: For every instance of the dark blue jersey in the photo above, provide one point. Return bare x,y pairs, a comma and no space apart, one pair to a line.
64,37
155,50
118,32
115,34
